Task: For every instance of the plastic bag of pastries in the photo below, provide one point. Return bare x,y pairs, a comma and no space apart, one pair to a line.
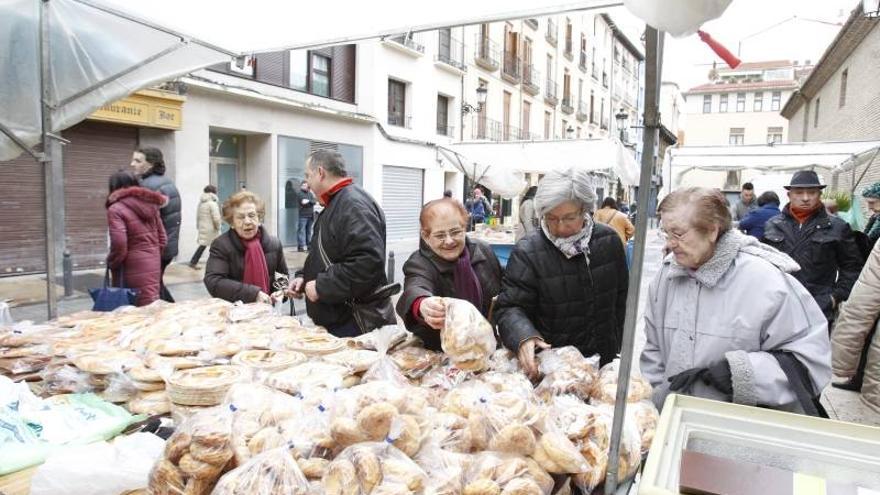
373,468
589,428
515,382
445,469
504,360
645,415
467,337
605,390
415,362
65,379
449,431
494,473
385,368
566,371
554,451
505,422
274,472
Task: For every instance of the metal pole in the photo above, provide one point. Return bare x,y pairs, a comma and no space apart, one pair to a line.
46,162
653,54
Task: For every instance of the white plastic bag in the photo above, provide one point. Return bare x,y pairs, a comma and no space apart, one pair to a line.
5,316
677,17
467,338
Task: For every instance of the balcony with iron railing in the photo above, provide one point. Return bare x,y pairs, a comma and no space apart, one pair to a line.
582,111
530,80
451,53
399,120
484,128
409,41
583,62
550,35
511,70
567,104
551,96
486,53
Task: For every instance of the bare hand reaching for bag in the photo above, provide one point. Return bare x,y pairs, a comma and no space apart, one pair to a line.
526,356
433,311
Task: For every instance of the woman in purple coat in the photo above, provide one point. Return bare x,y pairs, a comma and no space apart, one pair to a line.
137,236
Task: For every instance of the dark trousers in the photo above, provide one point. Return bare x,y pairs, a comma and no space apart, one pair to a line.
304,232
197,255
163,291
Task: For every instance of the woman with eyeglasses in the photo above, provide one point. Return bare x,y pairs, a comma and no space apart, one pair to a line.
447,264
725,319
566,283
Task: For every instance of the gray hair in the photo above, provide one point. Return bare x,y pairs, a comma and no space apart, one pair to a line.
560,186
331,161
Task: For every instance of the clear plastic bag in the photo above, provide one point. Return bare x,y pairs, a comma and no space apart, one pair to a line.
645,415
445,469
65,379
272,472
415,362
449,432
373,468
504,360
566,371
120,389
505,422
385,369
493,472
467,337
605,390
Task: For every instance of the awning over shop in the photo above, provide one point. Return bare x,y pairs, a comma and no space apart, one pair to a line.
493,159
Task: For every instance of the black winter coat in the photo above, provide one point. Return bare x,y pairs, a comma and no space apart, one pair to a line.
225,268
426,274
825,248
352,229
170,212
565,301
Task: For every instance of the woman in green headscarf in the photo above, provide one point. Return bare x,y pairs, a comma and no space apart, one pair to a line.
872,197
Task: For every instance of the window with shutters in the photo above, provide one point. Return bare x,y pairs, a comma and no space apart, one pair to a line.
526,117
722,104
707,103
443,116
776,100
737,136
319,75
759,102
396,103
740,102
774,135
547,120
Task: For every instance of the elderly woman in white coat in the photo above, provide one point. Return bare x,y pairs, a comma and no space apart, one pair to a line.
725,319
208,222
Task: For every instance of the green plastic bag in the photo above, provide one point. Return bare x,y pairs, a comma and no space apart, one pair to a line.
854,216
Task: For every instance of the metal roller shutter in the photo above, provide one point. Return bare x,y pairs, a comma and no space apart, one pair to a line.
23,222
402,201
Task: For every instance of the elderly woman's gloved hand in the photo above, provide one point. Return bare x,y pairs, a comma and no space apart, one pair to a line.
716,375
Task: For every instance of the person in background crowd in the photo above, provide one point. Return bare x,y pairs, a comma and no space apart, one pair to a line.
447,264
855,343
447,193
768,207
528,219
746,203
721,305
207,221
872,198
609,215
242,263
306,202
821,244
567,284
351,233
479,208
137,236
149,167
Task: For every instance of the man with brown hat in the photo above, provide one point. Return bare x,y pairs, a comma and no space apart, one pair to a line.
822,244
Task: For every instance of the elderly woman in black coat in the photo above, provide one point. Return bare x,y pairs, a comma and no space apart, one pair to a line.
447,264
565,283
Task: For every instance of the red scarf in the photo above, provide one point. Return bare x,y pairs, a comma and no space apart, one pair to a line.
801,215
256,271
325,198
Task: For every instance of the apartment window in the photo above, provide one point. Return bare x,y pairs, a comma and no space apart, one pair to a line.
566,87
443,115
526,117
299,70
580,90
737,136
565,130
776,100
759,102
396,103
774,135
843,77
707,103
320,75
568,41
592,105
547,119
740,102
722,105
816,112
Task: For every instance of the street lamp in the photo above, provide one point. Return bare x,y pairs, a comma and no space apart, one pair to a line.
621,117
482,93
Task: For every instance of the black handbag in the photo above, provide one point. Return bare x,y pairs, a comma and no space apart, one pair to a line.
109,298
373,311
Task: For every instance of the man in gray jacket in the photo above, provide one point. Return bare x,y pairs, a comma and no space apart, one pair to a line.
747,202
149,166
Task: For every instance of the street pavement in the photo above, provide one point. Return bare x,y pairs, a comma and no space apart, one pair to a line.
29,292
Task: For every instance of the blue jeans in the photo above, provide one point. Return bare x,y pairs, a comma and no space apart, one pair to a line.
304,232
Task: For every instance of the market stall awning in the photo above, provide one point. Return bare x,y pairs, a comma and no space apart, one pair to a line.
543,156
95,56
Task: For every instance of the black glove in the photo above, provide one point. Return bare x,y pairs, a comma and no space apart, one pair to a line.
683,381
718,376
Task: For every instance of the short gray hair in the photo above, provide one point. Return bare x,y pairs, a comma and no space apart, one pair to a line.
331,161
560,186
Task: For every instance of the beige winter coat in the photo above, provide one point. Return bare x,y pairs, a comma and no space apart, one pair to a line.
208,221
857,318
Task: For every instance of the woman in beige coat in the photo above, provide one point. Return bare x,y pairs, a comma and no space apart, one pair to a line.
208,222
855,345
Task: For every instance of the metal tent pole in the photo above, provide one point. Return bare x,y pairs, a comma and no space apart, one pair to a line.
653,54
47,158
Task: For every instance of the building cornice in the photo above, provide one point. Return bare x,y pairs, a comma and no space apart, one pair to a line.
620,35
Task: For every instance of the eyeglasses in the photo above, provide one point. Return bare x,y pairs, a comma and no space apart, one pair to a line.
672,236
453,234
570,219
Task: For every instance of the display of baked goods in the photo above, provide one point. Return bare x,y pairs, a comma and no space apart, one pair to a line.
358,360
311,375
203,386
605,389
314,344
467,337
266,360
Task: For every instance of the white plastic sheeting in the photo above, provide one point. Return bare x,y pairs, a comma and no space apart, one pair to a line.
96,57
677,17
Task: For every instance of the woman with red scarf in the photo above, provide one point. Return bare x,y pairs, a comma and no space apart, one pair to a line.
245,260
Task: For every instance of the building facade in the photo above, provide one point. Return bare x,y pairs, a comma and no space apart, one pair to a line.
838,101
